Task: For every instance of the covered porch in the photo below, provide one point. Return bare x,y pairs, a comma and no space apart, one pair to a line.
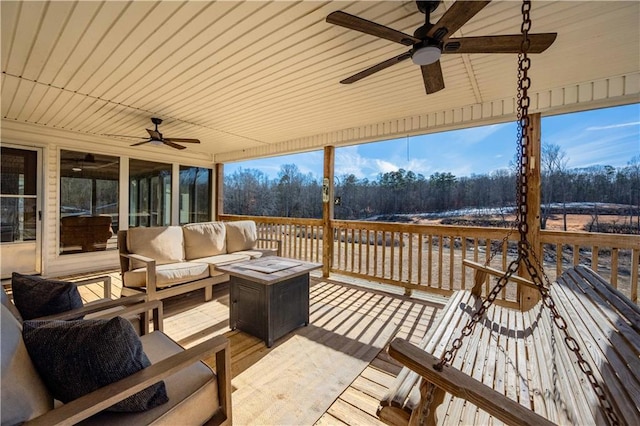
252,79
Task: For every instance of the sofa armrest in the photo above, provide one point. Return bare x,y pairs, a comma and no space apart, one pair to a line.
144,259
150,265
277,243
131,305
100,399
105,279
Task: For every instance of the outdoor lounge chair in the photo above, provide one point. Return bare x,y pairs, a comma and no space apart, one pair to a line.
195,393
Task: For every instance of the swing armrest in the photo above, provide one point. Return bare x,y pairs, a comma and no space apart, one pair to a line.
482,271
463,386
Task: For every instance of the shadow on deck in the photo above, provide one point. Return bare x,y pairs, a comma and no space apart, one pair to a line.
341,314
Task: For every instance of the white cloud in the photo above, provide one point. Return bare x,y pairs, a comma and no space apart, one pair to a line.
614,126
385,166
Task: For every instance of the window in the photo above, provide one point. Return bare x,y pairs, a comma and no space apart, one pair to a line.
88,201
195,194
18,199
149,193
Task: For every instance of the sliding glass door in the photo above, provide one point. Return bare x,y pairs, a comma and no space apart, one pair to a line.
20,211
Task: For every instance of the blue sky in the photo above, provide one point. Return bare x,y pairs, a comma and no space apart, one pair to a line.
608,136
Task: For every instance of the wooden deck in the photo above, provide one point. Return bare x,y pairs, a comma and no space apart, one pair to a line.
189,320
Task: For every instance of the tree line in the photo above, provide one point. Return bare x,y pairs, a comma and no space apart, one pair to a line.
294,194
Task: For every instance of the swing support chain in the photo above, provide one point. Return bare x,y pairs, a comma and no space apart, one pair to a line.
525,251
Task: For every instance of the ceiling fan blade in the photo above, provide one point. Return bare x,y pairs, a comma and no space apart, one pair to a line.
141,143
182,140
376,68
499,44
155,134
355,23
432,76
455,17
173,145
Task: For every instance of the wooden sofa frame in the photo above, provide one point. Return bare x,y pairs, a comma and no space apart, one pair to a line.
515,365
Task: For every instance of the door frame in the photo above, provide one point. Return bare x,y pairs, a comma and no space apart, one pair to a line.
14,246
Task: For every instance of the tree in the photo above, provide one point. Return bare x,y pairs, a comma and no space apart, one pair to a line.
633,168
554,166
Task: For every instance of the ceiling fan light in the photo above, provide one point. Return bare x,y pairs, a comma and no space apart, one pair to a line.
76,169
155,142
426,55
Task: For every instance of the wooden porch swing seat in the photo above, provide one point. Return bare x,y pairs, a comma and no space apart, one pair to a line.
516,367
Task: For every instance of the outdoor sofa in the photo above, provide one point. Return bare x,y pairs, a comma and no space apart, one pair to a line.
170,260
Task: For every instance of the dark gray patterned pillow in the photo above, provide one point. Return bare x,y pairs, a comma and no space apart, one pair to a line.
37,297
74,358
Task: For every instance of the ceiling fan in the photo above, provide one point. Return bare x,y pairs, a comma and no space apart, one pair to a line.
156,138
86,162
429,41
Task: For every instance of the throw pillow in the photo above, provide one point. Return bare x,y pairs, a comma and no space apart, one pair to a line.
38,297
77,357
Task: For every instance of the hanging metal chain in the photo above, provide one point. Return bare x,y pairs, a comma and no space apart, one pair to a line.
426,408
524,247
521,189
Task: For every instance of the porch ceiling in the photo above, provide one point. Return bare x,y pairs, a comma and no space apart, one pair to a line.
260,78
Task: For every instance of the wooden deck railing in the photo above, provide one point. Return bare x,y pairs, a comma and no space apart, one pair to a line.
429,257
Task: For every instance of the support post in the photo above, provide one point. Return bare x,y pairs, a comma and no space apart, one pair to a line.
219,191
530,296
327,210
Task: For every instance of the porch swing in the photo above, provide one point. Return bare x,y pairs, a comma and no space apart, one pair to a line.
479,360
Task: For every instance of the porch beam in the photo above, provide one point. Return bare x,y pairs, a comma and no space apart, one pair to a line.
327,209
219,193
530,296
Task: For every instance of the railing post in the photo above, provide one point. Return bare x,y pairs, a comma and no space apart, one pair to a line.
530,296
327,210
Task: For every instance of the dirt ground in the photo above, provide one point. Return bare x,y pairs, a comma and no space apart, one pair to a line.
575,222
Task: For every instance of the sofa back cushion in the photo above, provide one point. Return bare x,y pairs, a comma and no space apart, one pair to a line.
164,244
24,395
241,235
204,239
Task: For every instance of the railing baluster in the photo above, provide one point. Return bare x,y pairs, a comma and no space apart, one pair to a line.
440,258
614,268
430,262
392,263
463,275
558,259
384,254
635,260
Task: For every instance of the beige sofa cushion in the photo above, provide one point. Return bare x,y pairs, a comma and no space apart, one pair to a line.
164,244
241,235
204,239
193,392
168,274
24,395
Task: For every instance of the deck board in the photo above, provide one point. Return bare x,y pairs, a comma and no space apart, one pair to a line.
189,320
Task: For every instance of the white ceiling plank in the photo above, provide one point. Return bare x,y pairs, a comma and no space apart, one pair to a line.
9,12
95,25
23,35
